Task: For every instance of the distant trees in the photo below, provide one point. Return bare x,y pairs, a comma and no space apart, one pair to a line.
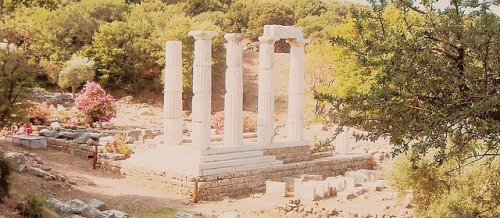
77,70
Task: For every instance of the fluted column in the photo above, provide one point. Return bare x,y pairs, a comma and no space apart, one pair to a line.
265,115
233,99
202,87
295,119
172,97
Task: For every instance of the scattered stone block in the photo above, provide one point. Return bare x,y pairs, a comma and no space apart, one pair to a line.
371,175
307,191
372,186
76,205
346,195
276,188
55,126
116,213
360,177
291,182
96,204
350,183
92,212
337,183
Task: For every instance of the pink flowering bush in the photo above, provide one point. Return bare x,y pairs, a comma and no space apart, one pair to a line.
39,113
249,121
93,105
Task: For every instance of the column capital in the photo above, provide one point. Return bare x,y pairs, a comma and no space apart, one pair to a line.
238,37
267,39
203,34
298,42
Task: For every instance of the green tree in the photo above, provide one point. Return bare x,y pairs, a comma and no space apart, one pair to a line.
16,76
129,54
304,8
249,17
433,77
77,70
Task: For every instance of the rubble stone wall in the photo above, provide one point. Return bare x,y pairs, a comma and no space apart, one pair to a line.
70,147
216,187
290,154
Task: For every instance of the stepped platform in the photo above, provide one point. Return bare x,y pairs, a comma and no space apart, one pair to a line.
234,171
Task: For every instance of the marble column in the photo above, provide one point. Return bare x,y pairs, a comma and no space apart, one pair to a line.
295,118
202,88
233,99
172,97
265,115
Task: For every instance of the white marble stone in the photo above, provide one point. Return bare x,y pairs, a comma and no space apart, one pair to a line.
172,98
233,99
276,188
202,87
342,143
296,86
265,115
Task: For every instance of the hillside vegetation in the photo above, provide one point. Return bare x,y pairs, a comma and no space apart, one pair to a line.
427,77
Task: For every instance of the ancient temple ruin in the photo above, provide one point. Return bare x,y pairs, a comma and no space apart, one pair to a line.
237,166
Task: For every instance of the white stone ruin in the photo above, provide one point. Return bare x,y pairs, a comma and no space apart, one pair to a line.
200,158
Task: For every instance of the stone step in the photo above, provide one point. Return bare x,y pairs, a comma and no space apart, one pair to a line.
237,162
233,169
230,156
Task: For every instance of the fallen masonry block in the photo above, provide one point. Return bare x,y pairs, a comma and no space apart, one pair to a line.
337,183
346,195
276,188
372,186
360,177
307,191
371,175
360,190
291,182
350,183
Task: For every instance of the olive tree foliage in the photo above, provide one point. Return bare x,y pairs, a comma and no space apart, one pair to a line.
77,70
432,79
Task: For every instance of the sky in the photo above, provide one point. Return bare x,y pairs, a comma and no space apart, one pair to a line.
440,4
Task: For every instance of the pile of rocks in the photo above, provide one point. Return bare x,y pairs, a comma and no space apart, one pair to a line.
295,207
33,164
92,209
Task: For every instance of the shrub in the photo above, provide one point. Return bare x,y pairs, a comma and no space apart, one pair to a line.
33,207
451,190
249,121
119,147
39,113
93,105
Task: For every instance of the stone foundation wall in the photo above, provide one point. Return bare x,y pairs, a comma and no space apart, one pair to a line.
216,187
246,182
80,150
290,154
